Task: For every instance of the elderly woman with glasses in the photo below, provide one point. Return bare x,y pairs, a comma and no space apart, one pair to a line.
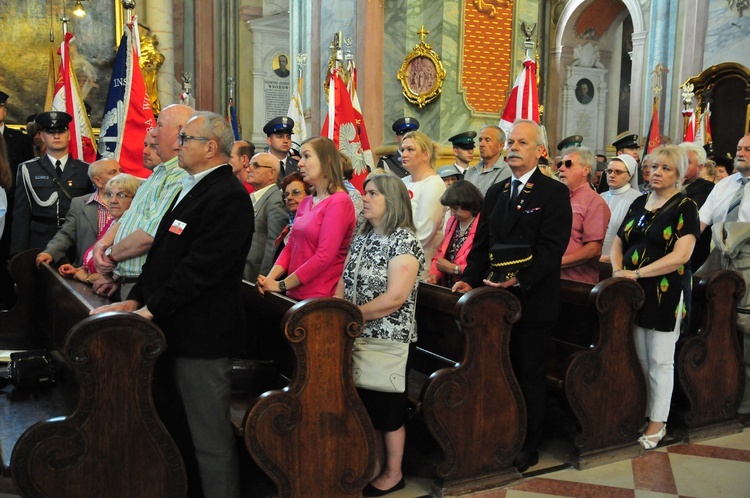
293,191
623,190
119,193
653,246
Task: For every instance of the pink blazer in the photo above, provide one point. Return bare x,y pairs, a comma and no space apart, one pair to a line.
463,252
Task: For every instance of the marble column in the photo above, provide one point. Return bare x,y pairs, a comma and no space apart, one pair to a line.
159,19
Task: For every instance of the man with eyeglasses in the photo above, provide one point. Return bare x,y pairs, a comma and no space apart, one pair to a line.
590,217
85,220
622,181
270,215
392,162
190,288
120,254
45,186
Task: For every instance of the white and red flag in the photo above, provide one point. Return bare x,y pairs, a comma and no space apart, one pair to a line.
689,135
128,115
297,113
340,126
523,101
68,99
352,88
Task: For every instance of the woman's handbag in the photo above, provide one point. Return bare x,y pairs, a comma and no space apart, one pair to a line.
378,364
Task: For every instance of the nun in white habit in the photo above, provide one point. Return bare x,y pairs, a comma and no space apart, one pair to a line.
623,190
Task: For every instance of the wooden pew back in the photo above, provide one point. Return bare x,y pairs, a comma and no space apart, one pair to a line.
314,438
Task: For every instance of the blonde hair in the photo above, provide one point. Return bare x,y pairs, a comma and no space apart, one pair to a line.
423,143
675,156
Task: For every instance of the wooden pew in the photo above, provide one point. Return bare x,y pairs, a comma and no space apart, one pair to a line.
604,384
708,361
318,416
471,403
97,434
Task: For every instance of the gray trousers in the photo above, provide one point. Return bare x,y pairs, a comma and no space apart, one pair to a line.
204,386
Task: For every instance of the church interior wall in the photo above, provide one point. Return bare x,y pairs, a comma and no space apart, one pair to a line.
727,35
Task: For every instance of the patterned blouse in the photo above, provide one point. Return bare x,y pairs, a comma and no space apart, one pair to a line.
372,281
648,236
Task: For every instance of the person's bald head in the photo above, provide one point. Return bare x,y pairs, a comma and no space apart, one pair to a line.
171,120
264,170
101,171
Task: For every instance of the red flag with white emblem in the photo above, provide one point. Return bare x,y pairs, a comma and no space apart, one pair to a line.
340,126
68,99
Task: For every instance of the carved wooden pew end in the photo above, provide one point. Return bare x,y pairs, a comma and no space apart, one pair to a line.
708,361
604,384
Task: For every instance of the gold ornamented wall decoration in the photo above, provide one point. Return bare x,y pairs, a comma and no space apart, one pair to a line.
490,7
422,73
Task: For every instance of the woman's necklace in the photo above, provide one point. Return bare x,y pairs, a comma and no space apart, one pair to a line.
465,229
317,199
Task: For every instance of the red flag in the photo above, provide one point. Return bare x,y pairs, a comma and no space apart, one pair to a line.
352,88
340,126
127,115
654,138
68,99
690,130
523,101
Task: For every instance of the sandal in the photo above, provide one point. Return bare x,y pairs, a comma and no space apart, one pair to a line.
652,440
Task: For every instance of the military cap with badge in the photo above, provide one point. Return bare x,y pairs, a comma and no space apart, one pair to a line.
404,125
463,140
282,124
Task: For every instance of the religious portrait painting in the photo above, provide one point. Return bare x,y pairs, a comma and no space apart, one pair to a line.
281,65
584,91
422,75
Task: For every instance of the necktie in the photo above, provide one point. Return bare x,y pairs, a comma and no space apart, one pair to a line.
58,168
514,191
734,204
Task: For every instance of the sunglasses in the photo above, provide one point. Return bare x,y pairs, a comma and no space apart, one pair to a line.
294,193
567,164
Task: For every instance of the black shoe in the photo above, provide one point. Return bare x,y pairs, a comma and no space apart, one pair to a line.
526,459
371,490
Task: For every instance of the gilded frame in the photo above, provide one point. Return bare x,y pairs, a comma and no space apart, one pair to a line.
421,74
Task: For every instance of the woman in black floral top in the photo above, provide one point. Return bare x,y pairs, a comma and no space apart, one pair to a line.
380,276
653,246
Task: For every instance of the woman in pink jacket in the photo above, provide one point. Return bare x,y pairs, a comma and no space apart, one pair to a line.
465,202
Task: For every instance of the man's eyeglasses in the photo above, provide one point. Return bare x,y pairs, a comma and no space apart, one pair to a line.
567,164
257,165
615,172
182,138
294,193
120,195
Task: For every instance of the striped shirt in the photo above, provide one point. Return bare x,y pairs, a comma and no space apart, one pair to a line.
102,215
149,205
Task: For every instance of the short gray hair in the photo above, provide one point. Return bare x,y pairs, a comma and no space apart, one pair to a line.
501,133
216,128
700,152
585,156
539,130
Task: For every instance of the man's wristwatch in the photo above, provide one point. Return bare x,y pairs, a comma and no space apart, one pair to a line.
282,286
108,255
457,270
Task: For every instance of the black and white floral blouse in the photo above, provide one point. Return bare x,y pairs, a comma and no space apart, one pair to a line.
372,281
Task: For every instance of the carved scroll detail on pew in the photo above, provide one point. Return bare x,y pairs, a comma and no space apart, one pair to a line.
605,386
709,363
455,398
314,438
114,443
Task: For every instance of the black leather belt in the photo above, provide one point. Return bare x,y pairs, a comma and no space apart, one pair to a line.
58,222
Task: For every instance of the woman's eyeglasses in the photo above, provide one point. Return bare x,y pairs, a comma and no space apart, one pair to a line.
119,195
615,172
294,193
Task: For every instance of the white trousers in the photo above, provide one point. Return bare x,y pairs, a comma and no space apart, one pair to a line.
656,353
